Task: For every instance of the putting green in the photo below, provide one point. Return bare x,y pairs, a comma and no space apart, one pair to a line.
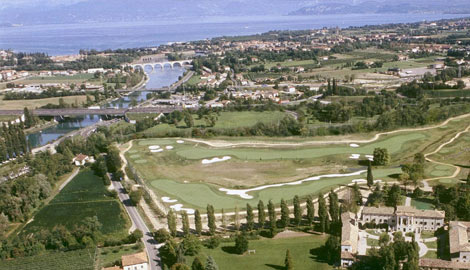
198,195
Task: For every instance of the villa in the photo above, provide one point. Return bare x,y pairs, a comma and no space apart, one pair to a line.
349,239
404,218
138,261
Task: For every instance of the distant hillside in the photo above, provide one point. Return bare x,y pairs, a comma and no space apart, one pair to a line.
378,7
77,11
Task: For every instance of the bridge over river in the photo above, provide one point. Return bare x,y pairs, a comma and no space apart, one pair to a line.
84,111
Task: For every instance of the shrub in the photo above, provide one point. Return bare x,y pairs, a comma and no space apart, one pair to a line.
161,235
241,244
212,242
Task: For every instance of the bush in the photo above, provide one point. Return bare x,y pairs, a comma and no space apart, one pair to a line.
161,235
212,242
241,244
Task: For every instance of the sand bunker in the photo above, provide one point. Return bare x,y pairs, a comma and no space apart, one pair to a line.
156,150
153,147
363,181
169,147
168,200
216,159
354,156
179,141
243,193
179,207
354,145
370,157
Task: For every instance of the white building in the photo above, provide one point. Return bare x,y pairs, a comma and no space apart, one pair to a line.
405,218
138,261
81,159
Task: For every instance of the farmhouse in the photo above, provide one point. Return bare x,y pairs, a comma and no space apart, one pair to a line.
81,159
404,218
138,261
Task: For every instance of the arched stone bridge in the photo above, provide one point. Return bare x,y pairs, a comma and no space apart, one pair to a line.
160,65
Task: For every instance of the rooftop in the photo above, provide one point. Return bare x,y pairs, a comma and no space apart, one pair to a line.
134,259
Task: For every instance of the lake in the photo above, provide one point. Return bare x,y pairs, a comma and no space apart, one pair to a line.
60,39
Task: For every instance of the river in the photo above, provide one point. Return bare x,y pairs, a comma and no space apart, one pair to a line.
157,79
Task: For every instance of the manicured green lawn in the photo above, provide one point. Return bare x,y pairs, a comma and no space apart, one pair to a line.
372,242
85,196
270,253
431,244
82,259
431,254
427,234
422,204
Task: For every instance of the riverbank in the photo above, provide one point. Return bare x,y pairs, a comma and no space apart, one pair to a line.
40,127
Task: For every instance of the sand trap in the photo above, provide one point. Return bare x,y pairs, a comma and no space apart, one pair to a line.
370,157
243,192
179,207
169,147
179,141
216,159
153,147
363,181
354,156
354,145
168,200
156,150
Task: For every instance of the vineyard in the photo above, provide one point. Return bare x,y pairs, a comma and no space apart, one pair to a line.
83,259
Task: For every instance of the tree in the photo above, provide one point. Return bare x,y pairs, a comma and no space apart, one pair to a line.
236,219
370,178
241,243
161,235
113,160
310,211
381,156
394,196
197,264
249,217
261,214
210,264
211,219
332,247
135,196
297,211
168,253
185,222
334,213
288,265
272,215
198,222
188,120
171,222
387,255
180,266
3,224
323,214
191,245
180,254
285,219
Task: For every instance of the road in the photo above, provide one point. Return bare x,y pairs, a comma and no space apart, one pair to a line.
138,222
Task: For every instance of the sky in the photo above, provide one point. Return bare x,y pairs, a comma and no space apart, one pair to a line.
22,3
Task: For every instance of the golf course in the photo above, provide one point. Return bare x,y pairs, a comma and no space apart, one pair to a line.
227,173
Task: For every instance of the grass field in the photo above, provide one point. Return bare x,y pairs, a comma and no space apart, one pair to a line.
224,120
36,103
84,196
78,78
73,260
306,254
423,204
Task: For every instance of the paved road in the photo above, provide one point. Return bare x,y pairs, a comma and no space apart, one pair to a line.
139,223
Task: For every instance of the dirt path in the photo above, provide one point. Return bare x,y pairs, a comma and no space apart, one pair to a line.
457,168
74,173
225,144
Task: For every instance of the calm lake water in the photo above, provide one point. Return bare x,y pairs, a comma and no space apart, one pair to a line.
70,38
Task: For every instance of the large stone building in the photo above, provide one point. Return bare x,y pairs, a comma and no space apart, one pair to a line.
404,218
458,241
349,239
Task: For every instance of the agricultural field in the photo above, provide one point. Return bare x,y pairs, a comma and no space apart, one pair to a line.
83,259
84,196
306,252
77,79
232,173
36,103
